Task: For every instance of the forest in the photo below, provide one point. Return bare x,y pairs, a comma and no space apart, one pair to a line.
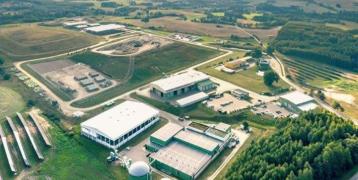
14,11
319,42
316,145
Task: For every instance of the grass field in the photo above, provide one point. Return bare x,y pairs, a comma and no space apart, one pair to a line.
27,41
247,79
147,67
10,102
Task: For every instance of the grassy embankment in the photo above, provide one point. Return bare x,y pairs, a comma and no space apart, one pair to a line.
148,67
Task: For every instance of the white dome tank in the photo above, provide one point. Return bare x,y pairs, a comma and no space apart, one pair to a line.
139,170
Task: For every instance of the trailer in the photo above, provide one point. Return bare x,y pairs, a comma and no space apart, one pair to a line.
7,151
42,132
18,141
27,130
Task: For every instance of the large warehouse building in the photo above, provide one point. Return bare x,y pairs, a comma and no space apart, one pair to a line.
105,29
192,84
186,152
119,124
297,102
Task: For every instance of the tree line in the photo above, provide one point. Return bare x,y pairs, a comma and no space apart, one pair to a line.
316,145
320,43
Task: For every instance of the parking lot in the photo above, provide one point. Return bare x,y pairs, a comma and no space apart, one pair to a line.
227,104
272,109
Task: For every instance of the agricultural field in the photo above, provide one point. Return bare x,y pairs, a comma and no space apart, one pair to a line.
27,41
173,24
247,79
132,72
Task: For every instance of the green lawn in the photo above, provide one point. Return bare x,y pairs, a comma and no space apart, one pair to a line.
148,66
10,102
77,157
247,79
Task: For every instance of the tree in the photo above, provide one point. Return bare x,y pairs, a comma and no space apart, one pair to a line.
1,61
306,173
321,95
338,106
270,77
31,103
270,49
257,53
245,125
7,77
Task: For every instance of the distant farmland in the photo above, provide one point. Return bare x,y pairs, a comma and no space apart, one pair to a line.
173,24
26,41
147,67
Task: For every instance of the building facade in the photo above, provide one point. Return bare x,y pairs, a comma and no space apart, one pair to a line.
181,84
120,124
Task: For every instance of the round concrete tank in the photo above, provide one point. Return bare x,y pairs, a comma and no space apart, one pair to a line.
139,171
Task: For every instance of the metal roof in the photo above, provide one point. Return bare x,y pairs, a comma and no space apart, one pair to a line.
167,132
179,80
183,158
121,119
106,27
308,106
191,99
222,126
198,140
297,97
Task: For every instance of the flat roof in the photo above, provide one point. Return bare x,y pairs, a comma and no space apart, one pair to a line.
180,157
91,87
121,119
308,106
191,99
197,139
179,80
297,97
106,27
167,131
222,126
74,23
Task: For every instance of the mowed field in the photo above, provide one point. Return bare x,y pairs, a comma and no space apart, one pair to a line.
10,102
146,67
174,24
27,41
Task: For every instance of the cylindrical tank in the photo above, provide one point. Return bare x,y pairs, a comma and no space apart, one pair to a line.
139,171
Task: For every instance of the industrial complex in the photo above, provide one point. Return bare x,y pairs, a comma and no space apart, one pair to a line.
120,124
184,152
186,88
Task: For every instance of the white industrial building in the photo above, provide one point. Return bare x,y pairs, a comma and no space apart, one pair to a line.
105,29
297,102
119,124
74,23
191,84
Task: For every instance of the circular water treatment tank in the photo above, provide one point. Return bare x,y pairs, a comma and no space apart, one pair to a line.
139,169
